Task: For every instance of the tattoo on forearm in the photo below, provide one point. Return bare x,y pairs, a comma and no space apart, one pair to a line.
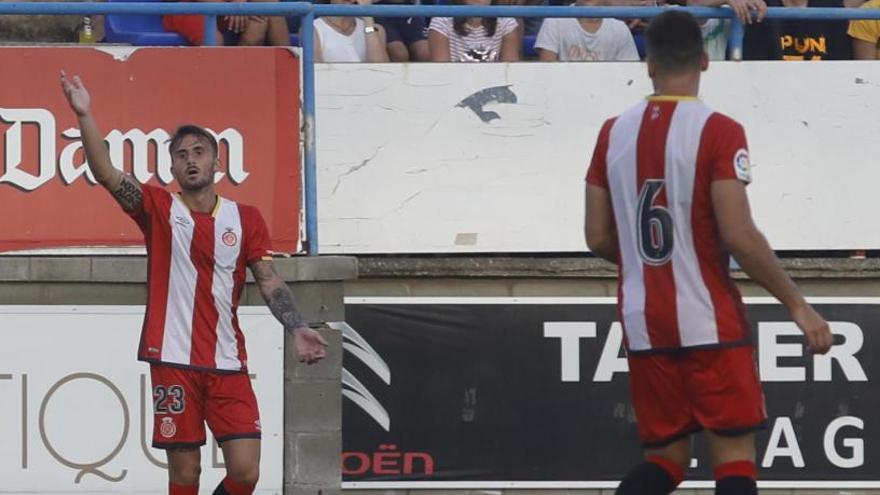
128,194
281,305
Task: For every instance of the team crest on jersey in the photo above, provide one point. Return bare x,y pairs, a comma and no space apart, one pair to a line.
167,429
229,238
742,166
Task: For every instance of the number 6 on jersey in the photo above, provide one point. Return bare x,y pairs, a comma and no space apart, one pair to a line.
654,229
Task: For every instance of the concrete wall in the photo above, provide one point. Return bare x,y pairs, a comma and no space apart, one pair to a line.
312,394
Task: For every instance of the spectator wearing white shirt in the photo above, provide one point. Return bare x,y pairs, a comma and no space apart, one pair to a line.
349,39
585,39
474,39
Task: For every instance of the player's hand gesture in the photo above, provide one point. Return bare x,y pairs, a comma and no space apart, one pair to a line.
76,94
815,328
309,344
745,8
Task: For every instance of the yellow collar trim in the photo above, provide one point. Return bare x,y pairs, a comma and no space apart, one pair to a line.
671,98
213,212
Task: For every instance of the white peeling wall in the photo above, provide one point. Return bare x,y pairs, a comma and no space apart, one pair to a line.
491,157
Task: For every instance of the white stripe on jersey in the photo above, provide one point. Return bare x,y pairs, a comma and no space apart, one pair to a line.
228,220
696,313
179,308
623,174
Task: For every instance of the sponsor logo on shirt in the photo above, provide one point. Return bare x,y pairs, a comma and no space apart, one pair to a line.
182,221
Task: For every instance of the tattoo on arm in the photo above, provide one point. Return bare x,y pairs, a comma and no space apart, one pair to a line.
128,194
281,305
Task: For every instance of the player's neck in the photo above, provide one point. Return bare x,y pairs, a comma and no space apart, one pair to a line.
200,200
682,85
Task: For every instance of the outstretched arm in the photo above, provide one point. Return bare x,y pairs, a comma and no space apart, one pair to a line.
310,345
123,187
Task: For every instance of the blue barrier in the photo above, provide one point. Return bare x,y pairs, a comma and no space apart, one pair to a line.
309,11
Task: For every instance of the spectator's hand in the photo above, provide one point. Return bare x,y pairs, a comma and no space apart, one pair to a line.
815,328
309,344
364,2
236,23
745,8
76,94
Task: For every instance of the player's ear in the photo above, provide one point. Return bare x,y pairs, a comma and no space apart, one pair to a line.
652,67
704,62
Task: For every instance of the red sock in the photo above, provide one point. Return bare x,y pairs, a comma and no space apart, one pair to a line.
744,469
670,467
235,488
183,489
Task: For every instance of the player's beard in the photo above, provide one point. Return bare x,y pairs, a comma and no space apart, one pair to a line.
201,182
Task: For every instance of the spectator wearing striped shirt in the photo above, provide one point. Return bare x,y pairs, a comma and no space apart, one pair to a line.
474,39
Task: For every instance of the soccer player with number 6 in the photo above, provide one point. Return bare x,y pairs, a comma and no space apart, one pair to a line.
198,246
666,201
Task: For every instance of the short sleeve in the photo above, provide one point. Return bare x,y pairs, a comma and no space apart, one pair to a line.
548,36
597,174
626,45
728,151
865,30
507,25
257,244
153,197
442,25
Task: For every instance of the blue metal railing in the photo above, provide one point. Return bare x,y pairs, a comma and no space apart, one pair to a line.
309,11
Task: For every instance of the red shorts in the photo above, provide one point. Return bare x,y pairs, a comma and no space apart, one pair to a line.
676,394
184,399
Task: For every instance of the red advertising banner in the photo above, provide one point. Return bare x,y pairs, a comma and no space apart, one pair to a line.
249,99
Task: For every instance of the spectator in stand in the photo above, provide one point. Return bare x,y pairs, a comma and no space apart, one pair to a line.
798,39
349,39
407,37
865,35
585,39
474,39
241,30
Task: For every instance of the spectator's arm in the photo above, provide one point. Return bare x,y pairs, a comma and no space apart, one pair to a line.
864,50
376,47
438,44
851,4
545,55
742,8
510,46
316,44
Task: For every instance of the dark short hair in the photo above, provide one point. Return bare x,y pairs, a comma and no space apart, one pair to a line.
192,130
674,42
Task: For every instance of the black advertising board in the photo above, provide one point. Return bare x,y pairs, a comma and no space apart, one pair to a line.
532,392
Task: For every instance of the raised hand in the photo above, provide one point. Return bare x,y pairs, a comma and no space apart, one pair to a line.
76,93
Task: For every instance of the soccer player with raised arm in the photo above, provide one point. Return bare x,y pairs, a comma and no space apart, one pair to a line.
666,201
198,246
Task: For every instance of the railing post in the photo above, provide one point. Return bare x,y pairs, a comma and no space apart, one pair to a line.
210,31
737,34
309,148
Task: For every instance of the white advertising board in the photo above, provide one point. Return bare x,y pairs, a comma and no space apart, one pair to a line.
76,405
491,157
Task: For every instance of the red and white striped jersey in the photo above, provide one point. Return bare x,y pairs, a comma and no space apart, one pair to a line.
196,273
658,161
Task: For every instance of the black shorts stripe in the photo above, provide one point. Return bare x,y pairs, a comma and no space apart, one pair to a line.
177,445
237,436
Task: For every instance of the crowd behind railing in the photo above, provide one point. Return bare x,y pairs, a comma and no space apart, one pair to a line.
507,39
